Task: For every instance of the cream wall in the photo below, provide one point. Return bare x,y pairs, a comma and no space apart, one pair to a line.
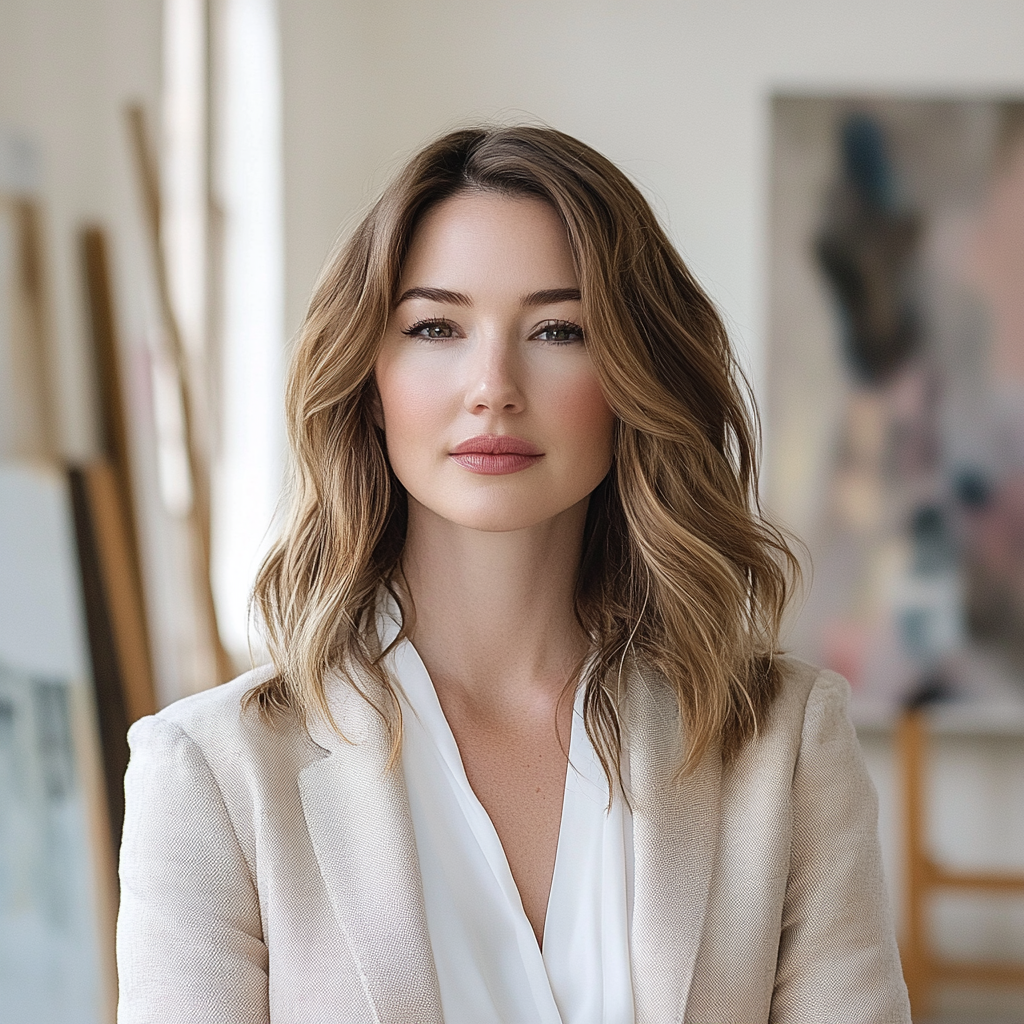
66,69
675,92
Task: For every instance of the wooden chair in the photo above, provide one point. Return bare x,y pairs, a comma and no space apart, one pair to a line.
924,876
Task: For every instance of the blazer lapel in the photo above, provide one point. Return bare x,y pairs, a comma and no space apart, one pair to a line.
675,840
357,813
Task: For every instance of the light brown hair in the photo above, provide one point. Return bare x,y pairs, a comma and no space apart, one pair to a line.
681,573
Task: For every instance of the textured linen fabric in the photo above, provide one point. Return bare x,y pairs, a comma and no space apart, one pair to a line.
489,966
270,875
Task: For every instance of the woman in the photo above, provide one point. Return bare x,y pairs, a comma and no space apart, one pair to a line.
526,752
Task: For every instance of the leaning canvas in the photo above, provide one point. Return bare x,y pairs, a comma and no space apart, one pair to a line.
56,872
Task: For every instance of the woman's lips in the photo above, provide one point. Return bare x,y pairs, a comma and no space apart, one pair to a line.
495,454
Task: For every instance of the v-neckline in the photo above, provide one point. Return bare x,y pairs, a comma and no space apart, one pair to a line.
489,964
426,702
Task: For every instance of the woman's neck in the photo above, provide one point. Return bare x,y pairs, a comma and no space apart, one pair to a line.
494,612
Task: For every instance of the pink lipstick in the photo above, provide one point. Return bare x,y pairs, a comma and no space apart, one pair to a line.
495,454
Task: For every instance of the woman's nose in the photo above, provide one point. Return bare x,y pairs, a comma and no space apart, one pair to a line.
494,383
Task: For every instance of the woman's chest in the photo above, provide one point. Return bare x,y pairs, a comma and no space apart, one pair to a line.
517,773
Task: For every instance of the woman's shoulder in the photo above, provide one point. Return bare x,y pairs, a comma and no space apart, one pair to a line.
218,709
219,727
809,720
807,689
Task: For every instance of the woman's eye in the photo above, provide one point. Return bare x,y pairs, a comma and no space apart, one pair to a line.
433,330
560,332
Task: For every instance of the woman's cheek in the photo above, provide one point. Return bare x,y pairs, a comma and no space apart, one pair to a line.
412,393
586,415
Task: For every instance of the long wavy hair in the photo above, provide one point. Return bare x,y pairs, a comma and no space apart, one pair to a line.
682,575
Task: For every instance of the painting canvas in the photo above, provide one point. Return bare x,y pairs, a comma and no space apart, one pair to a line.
895,390
56,870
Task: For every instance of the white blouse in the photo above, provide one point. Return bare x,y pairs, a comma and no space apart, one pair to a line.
489,966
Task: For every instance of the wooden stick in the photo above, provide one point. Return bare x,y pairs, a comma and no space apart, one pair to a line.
980,973
112,490
112,715
199,513
916,954
123,609
986,881
35,409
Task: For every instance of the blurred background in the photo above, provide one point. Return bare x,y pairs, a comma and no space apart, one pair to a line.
847,181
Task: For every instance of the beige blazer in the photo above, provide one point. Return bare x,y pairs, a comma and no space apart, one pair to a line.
270,875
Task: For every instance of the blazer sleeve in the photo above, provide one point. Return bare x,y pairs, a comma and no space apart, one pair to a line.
189,936
837,952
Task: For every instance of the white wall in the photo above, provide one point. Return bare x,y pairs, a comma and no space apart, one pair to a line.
676,92
66,69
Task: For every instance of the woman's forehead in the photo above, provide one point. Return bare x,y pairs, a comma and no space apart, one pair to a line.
481,241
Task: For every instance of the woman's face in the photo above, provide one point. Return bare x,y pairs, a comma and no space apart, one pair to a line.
490,405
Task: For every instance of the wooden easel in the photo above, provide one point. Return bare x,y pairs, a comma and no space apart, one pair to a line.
924,876
198,469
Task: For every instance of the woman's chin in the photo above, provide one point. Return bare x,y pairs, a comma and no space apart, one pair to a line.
493,516
498,520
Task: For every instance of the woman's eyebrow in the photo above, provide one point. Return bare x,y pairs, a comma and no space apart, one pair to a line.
551,295
435,295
